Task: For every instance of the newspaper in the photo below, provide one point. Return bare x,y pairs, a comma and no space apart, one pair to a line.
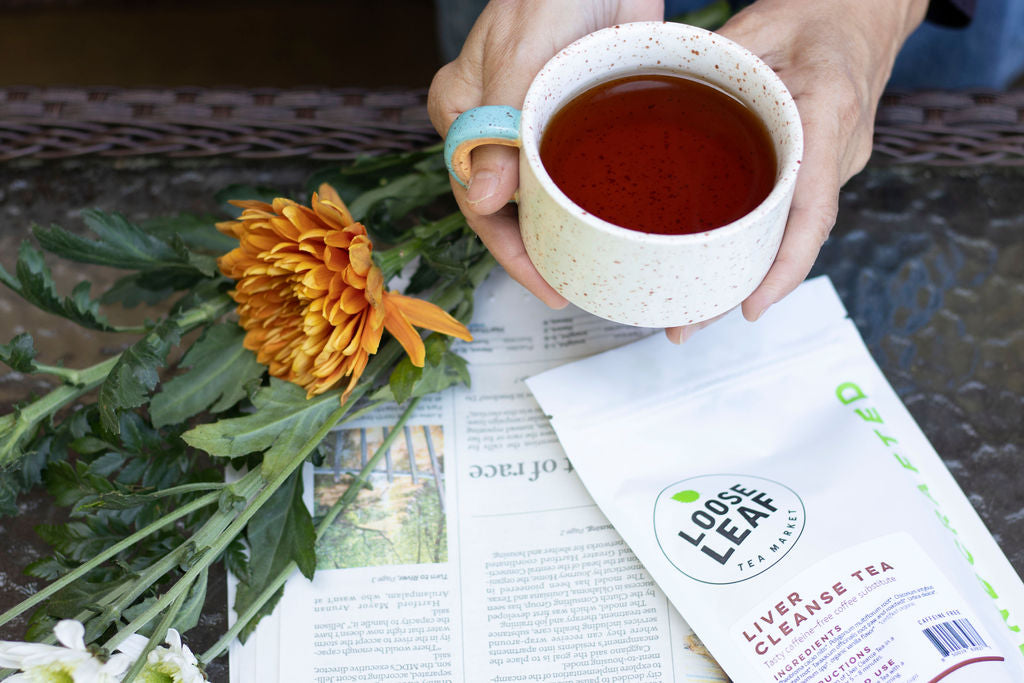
481,558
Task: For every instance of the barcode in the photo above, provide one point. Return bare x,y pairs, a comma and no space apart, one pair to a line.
951,637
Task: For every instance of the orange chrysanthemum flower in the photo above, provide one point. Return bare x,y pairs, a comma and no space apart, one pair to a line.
310,298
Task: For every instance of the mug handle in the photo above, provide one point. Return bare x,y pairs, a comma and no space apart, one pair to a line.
487,125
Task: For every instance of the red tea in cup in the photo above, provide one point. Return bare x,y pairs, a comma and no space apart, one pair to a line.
660,154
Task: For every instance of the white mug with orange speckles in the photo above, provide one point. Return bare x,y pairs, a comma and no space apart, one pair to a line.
632,277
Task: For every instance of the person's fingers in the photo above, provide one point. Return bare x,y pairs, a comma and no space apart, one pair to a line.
678,335
807,230
451,92
811,218
499,232
494,177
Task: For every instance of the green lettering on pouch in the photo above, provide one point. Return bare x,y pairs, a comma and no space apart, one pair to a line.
945,521
869,415
988,588
848,392
885,439
967,553
904,461
1006,618
923,488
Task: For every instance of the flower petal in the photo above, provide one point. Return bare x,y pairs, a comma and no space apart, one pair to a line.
133,645
359,253
401,330
70,633
251,204
425,314
353,300
307,224
118,664
358,365
319,277
311,300
374,286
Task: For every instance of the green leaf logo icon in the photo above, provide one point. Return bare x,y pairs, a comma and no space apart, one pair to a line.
687,496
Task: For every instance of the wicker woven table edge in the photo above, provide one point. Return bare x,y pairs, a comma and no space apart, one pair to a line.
946,128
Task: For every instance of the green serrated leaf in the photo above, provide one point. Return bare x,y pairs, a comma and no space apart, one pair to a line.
40,626
236,558
442,370
48,568
197,232
19,354
264,611
137,436
15,432
38,453
403,378
281,532
135,610
192,609
367,172
34,283
80,540
9,491
283,419
222,372
69,483
87,445
120,244
399,196
135,290
136,373
204,263
113,500
106,464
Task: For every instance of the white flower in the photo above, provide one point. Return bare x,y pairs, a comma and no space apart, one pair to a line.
68,663
172,664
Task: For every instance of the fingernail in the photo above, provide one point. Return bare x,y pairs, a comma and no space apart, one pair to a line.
680,335
760,313
557,304
481,186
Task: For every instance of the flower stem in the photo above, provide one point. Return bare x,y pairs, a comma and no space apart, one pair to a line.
217,546
394,259
16,426
188,488
339,506
67,375
205,535
158,634
110,552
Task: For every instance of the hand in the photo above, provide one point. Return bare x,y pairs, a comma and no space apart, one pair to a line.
835,57
508,45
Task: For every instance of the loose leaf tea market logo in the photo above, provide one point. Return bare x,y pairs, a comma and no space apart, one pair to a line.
727,528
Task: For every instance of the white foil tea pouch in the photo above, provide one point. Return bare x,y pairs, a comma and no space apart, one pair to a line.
781,495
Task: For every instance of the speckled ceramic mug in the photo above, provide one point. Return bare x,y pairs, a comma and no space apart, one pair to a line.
638,278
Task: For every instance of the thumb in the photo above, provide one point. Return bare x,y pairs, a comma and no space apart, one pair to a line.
494,176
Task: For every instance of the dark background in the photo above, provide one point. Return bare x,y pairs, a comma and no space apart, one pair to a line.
140,43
